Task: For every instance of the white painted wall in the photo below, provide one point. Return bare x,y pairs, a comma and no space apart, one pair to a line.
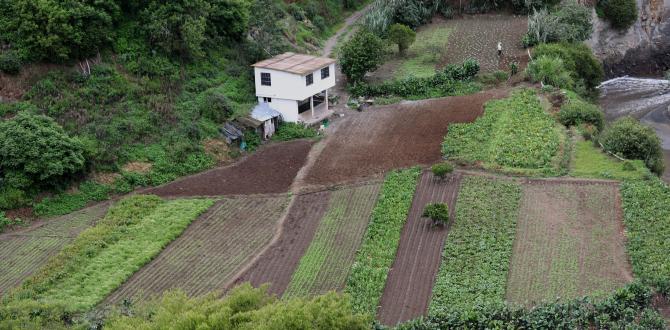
287,108
290,86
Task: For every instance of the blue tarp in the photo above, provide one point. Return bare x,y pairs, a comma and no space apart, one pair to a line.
263,112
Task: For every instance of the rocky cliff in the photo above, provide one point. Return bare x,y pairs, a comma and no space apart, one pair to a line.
643,49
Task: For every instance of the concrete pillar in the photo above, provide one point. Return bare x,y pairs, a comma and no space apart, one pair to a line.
326,100
311,104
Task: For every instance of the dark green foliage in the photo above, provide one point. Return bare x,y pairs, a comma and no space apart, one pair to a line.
630,139
292,131
628,307
578,60
65,203
10,62
11,198
35,150
438,212
252,139
412,13
571,22
576,111
550,71
402,36
6,222
442,169
361,54
59,30
465,71
620,13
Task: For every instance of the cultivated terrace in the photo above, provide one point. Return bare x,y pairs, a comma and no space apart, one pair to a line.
326,164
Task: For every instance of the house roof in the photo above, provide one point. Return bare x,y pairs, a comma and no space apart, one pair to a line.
295,63
263,112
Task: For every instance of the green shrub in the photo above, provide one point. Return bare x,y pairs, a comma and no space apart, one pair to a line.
252,139
467,70
620,13
550,71
361,54
6,222
578,60
570,23
402,36
375,256
10,62
630,139
292,131
576,111
513,68
11,198
442,169
64,203
437,212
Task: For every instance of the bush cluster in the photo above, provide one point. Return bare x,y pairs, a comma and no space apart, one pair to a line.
570,23
578,59
630,139
10,62
361,54
576,111
620,13
550,71
292,131
442,169
437,212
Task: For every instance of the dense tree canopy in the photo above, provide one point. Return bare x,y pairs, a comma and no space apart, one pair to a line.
632,140
402,36
360,55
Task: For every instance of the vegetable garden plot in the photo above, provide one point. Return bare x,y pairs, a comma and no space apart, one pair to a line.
327,261
210,251
24,252
410,281
569,242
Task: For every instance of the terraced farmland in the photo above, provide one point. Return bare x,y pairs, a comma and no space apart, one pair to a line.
25,251
328,259
569,242
211,251
410,281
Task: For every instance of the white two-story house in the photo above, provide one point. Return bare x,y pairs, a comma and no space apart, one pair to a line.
296,85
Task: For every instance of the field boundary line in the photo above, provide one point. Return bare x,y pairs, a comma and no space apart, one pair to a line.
538,180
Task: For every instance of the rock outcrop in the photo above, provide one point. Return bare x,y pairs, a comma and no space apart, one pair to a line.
643,49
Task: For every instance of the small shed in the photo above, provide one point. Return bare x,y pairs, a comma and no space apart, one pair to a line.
263,119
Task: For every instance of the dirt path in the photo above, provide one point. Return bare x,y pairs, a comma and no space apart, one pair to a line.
409,285
344,31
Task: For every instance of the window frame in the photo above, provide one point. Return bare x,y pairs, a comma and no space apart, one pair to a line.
309,79
264,81
325,70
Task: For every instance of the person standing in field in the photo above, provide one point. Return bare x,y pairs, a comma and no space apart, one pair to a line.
499,48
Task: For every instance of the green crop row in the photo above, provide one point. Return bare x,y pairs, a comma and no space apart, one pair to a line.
478,249
646,207
102,257
375,256
514,133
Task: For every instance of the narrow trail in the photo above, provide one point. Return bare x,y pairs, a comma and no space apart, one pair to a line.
344,30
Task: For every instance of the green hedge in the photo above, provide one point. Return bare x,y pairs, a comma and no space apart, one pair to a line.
576,111
377,252
477,253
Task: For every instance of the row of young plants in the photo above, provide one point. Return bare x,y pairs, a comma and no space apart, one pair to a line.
374,258
476,255
102,257
514,134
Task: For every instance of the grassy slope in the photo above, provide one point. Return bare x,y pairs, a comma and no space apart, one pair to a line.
425,52
478,248
591,162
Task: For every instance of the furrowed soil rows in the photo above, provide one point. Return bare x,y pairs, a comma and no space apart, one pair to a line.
277,264
478,36
394,136
327,261
409,285
569,242
23,252
210,251
270,170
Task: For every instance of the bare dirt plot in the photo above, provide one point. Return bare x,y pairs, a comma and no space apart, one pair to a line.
277,264
394,136
22,252
327,261
211,250
409,285
269,170
477,36
569,242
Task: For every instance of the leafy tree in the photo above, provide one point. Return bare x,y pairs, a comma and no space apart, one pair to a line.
437,212
551,71
401,35
361,54
412,13
620,13
630,139
58,30
34,149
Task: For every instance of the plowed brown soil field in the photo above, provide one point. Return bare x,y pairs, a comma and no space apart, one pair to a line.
24,251
393,136
211,251
276,265
569,242
269,170
410,282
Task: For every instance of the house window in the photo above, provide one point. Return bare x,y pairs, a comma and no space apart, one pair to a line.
267,99
310,79
266,80
325,72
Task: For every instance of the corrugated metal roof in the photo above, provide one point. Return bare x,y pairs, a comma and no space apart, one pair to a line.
295,63
263,112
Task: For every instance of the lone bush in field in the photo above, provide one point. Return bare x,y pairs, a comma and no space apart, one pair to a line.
630,139
620,13
360,55
576,112
402,36
442,169
438,212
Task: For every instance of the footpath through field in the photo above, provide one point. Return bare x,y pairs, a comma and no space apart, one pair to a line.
409,284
